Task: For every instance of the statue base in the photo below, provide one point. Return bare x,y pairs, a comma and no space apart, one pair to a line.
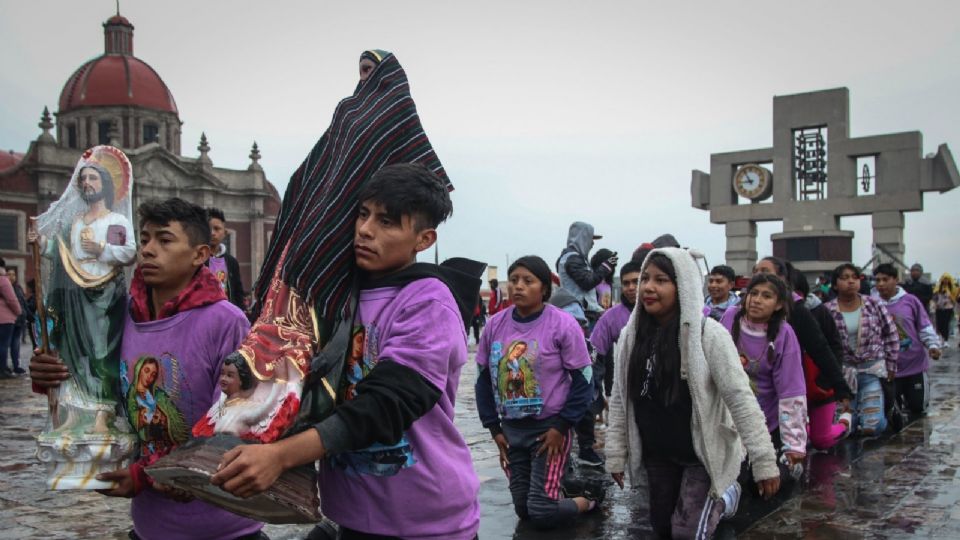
293,498
74,460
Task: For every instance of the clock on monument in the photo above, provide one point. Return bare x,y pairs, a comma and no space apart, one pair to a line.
753,182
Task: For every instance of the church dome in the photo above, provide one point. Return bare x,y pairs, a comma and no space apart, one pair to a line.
9,159
117,78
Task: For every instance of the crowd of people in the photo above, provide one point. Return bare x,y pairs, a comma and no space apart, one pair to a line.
812,365
710,393
696,375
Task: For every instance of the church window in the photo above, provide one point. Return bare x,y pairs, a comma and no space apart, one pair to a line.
72,136
151,133
103,131
9,233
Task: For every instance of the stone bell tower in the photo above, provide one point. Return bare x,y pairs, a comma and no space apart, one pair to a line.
814,174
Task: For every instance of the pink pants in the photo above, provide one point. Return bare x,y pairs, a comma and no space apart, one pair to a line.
823,432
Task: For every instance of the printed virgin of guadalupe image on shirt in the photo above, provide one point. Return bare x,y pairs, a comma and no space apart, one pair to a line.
150,394
378,459
518,389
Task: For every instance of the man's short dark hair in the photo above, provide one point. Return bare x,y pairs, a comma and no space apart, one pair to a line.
215,213
887,269
725,271
838,271
409,189
191,217
630,267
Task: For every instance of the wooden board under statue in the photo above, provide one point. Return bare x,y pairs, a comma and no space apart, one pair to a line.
260,388
293,498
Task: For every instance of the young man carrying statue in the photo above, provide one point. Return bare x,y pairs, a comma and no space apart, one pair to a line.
177,331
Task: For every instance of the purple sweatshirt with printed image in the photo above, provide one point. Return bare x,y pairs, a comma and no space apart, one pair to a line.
424,486
530,361
917,333
169,378
775,382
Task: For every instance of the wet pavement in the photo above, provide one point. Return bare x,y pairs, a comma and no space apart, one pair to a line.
902,486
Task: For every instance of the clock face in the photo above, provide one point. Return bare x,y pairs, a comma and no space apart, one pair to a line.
752,182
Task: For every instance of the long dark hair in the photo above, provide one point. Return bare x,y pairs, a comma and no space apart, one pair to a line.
779,264
661,341
773,325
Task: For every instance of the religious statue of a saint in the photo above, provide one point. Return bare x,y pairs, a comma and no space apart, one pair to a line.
87,239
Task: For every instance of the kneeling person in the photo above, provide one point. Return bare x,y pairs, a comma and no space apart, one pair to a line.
533,385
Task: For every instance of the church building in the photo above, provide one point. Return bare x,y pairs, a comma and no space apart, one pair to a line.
120,100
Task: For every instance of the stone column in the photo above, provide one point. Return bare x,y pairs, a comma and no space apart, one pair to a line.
82,133
741,246
888,235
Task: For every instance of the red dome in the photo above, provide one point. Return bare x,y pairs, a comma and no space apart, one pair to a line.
119,19
9,159
116,79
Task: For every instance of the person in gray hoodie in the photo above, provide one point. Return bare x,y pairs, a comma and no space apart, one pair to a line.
678,376
576,275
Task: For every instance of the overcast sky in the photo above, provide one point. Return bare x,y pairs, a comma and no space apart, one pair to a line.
542,112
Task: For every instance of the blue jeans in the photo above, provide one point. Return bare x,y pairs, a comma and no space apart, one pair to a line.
15,347
868,405
6,335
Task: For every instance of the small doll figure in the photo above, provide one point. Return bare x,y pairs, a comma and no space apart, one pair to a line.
248,407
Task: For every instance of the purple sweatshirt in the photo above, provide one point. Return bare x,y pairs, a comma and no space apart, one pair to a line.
529,361
607,330
169,376
773,383
427,488
916,333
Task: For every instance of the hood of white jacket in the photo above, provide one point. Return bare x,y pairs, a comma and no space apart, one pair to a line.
897,296
689,292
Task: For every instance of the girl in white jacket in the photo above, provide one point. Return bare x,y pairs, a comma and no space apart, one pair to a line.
682,410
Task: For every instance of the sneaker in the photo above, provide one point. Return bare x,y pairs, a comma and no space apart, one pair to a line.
589,456
731,500
6,375
573,487
594,491
19,371
847,420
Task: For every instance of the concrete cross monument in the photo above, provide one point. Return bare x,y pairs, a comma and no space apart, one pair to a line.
814,174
